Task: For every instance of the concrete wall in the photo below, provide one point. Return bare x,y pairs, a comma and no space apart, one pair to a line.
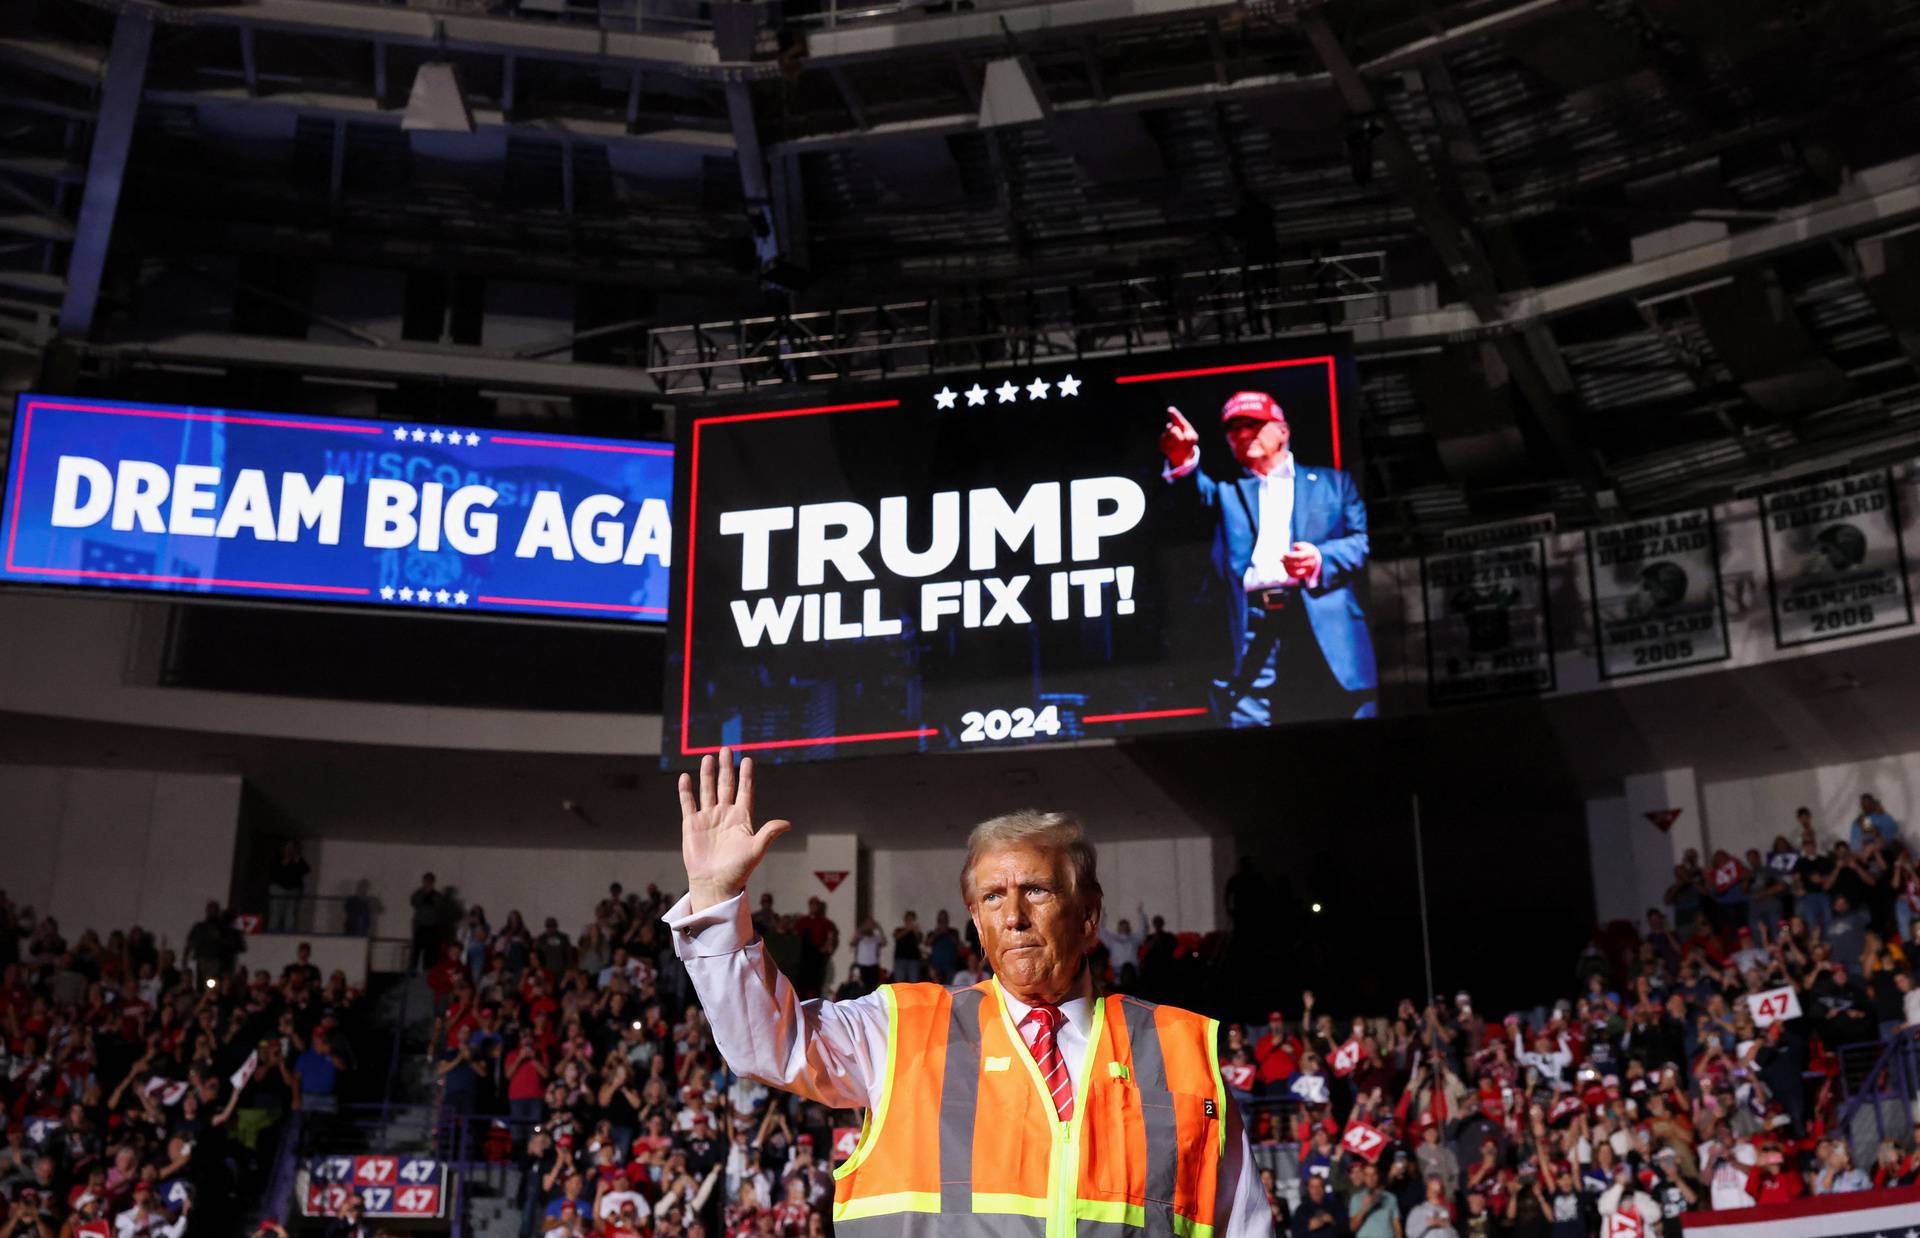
272,952
1749,812
108,848
562,883
1632,859
1171,877
91,658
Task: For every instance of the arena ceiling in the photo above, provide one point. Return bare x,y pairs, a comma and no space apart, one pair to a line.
1598,256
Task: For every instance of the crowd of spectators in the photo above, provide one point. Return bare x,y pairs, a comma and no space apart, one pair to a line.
143,1090
1677,1077
1650,1090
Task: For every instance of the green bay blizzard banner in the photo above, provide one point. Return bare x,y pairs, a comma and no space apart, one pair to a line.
1488,633
1656,594
1835,563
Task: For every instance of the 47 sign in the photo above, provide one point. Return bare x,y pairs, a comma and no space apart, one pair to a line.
386,1186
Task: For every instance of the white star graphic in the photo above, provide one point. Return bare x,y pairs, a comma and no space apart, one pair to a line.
406,595
473,440
437,437
976,395
442,596
424,598
400,433
1069,385
386,593
459,597
1037,389
1006,391
419,436
945,397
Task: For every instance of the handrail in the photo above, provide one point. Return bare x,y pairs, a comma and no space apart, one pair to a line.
1895,1074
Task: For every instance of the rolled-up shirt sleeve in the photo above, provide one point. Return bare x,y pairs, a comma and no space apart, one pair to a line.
831,1052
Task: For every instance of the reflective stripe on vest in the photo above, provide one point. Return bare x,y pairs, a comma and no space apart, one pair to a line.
964,1127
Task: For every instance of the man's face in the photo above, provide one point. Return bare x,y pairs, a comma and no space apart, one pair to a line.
1034,928
1257,444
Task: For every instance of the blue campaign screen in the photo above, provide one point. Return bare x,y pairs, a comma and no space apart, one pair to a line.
415,517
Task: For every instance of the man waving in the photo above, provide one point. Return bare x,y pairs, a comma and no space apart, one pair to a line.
1026,1105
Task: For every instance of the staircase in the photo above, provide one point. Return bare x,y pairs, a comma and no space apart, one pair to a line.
1880,1101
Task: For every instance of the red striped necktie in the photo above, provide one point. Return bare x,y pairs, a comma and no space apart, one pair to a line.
1039,1027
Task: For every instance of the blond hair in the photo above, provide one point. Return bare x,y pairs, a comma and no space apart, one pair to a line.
1049,831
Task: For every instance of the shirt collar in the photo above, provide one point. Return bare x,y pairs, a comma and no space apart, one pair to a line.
1077,1009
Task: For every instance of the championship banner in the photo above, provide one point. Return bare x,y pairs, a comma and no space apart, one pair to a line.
1836,565
198,502
1021,555
1656,594
387,1186
1488,630
1882,1213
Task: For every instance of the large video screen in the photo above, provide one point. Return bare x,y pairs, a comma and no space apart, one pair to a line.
421,518
1028,554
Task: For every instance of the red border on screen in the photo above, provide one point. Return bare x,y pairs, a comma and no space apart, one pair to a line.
1333,383
693,501
20,476
20,480
686,614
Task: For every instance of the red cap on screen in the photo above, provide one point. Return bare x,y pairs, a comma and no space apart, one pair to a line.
805,1141
1274,1016
1255,404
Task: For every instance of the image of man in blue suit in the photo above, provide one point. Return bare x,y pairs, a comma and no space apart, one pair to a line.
1289,544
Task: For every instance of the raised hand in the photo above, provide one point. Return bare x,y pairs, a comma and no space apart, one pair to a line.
1178,439
718,843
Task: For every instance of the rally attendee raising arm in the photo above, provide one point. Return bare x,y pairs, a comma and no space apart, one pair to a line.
1010,1105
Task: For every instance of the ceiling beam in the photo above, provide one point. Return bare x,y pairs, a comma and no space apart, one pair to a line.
612,129
1533,361
106,169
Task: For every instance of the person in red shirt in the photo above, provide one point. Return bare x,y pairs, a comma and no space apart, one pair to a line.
1276,1051
1772,1181
790,1214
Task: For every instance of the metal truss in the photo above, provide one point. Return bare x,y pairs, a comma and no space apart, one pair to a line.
1143,314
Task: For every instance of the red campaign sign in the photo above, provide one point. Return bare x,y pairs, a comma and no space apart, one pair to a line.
248,922
326,1201
1364,1141
1626,1223
93,1229
1346,1057
831,877
374,1170
416,1201
1664,818
1726,876
845,1140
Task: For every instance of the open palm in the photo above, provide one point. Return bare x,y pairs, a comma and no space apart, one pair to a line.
718,843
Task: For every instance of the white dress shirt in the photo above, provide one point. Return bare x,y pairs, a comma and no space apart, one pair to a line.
836,1052
1275,535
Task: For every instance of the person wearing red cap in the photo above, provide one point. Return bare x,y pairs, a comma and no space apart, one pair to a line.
1289,542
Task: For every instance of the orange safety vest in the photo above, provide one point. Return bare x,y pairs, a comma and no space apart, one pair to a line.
965,1138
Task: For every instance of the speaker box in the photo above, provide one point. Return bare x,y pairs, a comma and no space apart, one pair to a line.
1752,325
1468,398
